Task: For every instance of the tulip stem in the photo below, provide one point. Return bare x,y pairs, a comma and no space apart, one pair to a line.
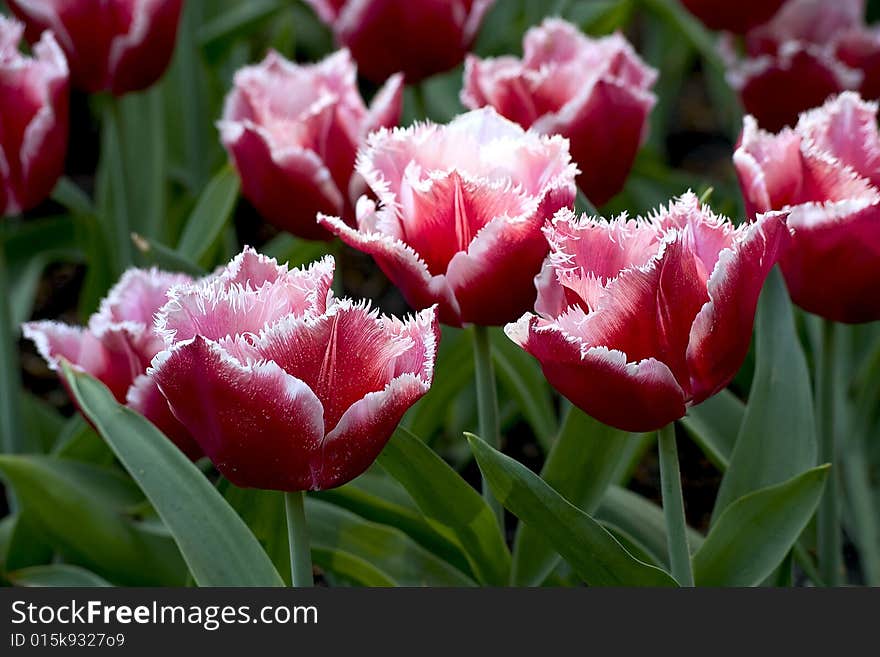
298,537
487,408
673,507
828,520
11,432
112,157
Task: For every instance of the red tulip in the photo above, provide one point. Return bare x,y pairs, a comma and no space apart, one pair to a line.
118,345
595,92
294,131
637,319
114,45
33,119
418,37
283,386
826,172
810,50
737,17
460,211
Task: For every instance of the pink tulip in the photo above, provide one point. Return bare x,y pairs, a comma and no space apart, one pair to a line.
810,50
417,37
294,131
118,345
283,386
638,319
33,119
595,92
459,214
115,45
737,17
826,172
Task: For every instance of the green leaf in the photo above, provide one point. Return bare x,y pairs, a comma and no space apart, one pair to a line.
42,422
755,533
22,544
57,574
580,467
521,378
377,497
218,547
597,557
448,501
263,512
714,426
68,194
777,437
81,510
157,254
243,18
212,212
77,441
641,520
295,251
389,551
350,567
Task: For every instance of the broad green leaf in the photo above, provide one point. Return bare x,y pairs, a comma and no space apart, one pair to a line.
377,497
777,437
448,501
263,512
210,215
21,544
77,441
521,378
641,520
81,510
240,20
295,251
755,533
389,551
42,421
218,547
157,254
350,567
580,467
57,574
597,557
714,426
68,194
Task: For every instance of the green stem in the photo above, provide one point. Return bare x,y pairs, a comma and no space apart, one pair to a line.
420,102
673,507
298,537
113,156
11,433
830,562
487,407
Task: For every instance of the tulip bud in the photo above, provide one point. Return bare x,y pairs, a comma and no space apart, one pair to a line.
33,119
417,37
118,345
594,92
294,131
638,319
737,17
459,214
117,45
283,386
825,172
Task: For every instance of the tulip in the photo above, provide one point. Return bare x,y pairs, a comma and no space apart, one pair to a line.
118,345
294,131
418,37
594,92
824,171
809,51
639,319
737,17
459,214
116,45
33,119
282,385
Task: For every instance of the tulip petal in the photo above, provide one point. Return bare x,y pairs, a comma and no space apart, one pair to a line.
845,127
721,333
84,350
400,263
769,167
288,187
601,381
386,106
138,57
145,398
260,426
